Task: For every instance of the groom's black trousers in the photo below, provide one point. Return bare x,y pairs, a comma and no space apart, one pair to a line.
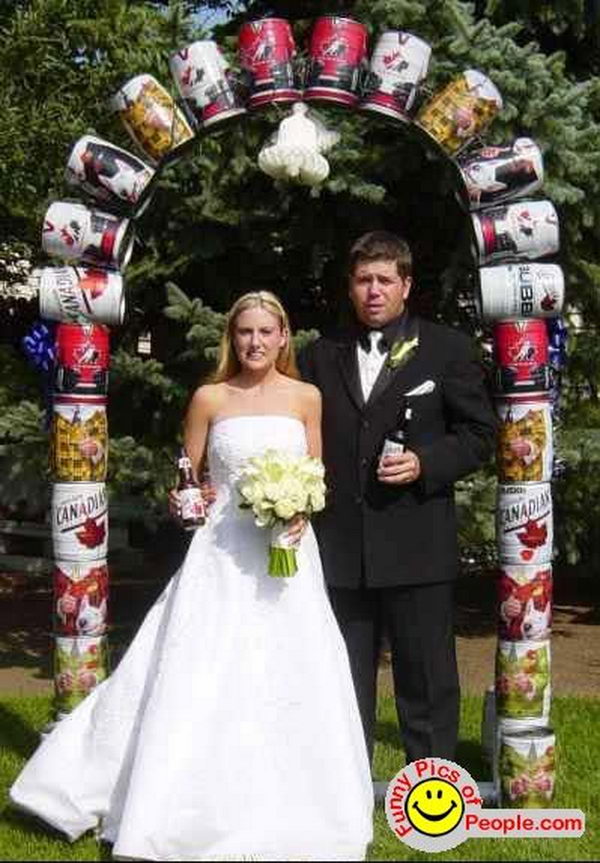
419,623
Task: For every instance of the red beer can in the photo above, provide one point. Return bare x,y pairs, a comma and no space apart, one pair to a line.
80,597
82,358
521,355
266,51
524,602
338,51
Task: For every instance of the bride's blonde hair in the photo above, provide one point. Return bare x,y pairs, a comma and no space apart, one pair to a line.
228,364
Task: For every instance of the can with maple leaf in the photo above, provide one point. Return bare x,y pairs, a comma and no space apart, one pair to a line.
524,525
76,294
79,521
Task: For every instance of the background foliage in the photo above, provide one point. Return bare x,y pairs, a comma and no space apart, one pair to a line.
218,226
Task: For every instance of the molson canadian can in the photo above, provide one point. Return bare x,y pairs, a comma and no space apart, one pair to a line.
80,664
112,176
521,356
79,439
398,65
493,175
75,233
204,81
82,358
79,521
80,597
524,439
527,767
267,50
338,54
152,118
523,230
524,602
80,294
524,527
523,679
521,290
461,111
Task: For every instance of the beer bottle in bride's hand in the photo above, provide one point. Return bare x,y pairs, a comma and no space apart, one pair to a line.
396,440
193,513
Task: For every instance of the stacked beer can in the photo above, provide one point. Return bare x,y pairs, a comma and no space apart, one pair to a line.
92,238
335,70
517,295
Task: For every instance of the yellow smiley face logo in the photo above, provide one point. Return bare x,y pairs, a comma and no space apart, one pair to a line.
434,807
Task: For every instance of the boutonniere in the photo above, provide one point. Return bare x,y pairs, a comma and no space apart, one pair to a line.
401,351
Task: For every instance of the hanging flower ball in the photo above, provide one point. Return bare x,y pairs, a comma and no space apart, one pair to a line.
295,152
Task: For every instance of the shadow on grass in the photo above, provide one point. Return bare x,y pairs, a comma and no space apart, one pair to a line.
469,753
35,827
388,734
38,829
16,734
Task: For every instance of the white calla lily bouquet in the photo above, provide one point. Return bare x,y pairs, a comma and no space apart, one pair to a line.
277,487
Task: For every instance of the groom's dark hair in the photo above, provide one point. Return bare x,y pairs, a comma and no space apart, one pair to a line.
381,246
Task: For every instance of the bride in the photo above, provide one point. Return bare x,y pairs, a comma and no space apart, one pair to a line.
230,728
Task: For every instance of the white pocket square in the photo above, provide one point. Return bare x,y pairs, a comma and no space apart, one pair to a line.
422,390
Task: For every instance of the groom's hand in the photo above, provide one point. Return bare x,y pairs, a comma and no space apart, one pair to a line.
399,469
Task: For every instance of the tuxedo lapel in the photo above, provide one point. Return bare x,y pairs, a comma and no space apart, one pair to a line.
388,375
348,362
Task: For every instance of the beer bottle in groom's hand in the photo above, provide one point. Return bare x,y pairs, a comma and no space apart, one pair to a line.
396,440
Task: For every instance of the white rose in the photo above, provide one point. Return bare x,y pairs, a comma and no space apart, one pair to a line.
317,500
285,509
251,491
263,514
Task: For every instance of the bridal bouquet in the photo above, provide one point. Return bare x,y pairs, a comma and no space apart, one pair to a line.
277,487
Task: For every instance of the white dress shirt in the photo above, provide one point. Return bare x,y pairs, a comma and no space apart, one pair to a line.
370,362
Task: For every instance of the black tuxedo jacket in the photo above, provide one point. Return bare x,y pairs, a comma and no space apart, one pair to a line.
380,535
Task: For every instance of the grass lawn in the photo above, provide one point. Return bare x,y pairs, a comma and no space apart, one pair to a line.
576,720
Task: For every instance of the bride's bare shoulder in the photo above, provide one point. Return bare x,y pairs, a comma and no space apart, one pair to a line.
305,389
307,394
208,399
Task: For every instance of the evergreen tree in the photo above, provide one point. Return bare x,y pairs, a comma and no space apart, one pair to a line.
218,226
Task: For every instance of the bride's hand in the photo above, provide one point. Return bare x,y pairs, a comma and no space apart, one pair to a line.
208,491
174,504
208,496
296,528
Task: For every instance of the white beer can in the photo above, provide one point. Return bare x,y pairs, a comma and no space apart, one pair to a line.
79,521
493,175
399,64
75,233
80,294
201,73
524,526
524,230
112,176
521,290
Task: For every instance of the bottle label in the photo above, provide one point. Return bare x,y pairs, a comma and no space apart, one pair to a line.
192,505
392,447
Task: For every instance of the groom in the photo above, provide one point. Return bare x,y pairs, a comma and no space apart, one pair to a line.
388,535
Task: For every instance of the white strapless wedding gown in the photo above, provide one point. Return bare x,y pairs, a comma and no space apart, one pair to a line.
230,728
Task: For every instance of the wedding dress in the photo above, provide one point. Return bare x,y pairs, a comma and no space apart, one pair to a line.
230,729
